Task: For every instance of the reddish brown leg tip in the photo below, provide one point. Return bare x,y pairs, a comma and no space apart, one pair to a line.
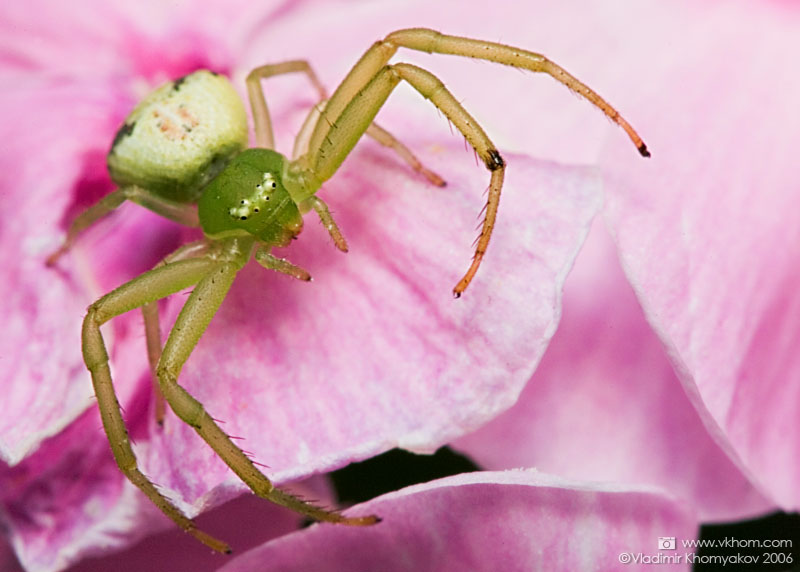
643,150
51,260
369,520
437,180
461,287
211,542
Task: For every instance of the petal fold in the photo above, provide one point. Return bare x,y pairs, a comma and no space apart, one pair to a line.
514,520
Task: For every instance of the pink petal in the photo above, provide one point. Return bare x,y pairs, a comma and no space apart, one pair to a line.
118,41
709,232
67,499
66,495
605,404
245,522
516,520
42,306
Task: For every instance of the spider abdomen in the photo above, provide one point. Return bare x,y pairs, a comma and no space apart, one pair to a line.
180,136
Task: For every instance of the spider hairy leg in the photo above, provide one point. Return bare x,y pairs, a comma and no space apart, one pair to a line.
145,289
192,321
271,262
355,118
359,93
211,277
325,216
431,41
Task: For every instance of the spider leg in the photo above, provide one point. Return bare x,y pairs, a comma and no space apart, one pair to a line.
266,259
358,114
386,139
324,213
147,288
179,212
189,326
263,125
152,329
363,91
152,334
431,41
258,103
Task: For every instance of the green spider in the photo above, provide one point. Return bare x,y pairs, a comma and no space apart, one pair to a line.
182,153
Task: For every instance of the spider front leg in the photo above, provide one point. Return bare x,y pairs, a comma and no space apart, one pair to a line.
152,328
192,321
366,87
212,277
358,114
431,41
145,289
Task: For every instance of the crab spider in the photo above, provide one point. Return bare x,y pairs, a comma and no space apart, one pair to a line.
182,153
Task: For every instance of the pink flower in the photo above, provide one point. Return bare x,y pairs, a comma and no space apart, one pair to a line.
374,354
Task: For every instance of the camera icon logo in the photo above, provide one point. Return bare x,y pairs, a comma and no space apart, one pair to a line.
666,543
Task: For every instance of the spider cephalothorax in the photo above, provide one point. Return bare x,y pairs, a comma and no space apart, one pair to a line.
182,154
